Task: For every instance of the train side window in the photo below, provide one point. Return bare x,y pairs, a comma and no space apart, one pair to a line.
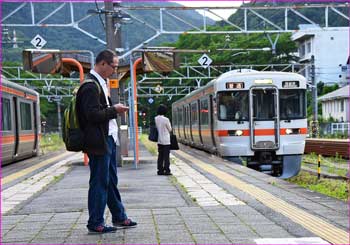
6,115
204,112
174,120
194,117
180,120
26,116
187,116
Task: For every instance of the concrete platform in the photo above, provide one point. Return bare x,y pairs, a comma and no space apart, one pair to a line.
190,207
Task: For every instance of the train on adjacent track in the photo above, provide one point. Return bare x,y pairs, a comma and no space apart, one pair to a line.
256,116
20,122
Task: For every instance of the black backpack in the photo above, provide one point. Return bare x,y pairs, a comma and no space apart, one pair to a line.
73,136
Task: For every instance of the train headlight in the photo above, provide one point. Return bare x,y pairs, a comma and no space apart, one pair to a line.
289,131
238,133
292,130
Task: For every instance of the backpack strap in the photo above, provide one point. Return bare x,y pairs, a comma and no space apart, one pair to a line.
93,81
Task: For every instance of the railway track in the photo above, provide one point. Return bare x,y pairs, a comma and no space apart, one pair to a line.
328,147
330,172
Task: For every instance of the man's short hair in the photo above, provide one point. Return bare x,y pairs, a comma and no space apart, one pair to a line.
162,109
106,55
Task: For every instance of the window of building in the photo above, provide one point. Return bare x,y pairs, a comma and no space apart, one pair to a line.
308,47
26,116
302,50
342,105
6,114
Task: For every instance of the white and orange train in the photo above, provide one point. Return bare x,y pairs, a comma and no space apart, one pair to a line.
20,122
257,116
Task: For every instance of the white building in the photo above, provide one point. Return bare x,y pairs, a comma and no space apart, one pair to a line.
336,104
330,48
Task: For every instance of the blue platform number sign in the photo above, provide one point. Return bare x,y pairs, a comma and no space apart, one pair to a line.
38,41
150,100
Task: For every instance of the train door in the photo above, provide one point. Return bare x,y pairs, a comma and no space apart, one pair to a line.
8,129
36,127
187,123
212,107
16,125
264,118
194,122
205,131
26,129
200,120
180,122
184,109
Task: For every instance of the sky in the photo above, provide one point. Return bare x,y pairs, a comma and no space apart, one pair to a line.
224,13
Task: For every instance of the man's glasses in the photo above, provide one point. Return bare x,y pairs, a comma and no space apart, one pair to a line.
114,67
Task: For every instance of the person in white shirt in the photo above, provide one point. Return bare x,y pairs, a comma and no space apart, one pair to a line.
164,129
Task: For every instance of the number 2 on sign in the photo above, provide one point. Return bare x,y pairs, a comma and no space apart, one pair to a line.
205,60
38,44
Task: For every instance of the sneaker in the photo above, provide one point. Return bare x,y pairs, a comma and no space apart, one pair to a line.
160,173
167,173
128,223
102,229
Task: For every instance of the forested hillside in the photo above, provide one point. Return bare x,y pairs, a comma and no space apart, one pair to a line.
277,16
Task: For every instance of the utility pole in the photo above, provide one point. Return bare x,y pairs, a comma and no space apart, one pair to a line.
113,36
314,123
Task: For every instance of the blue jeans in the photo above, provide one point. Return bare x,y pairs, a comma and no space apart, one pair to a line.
103,187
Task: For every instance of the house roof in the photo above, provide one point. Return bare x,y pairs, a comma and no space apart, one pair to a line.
343,92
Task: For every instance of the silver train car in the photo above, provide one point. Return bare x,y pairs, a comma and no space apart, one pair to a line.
259,117
20,122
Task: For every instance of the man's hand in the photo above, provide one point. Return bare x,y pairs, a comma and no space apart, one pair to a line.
120,108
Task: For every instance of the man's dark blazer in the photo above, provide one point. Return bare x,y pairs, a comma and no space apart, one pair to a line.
93,116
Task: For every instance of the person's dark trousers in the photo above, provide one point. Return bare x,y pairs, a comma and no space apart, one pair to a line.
163,158
103,187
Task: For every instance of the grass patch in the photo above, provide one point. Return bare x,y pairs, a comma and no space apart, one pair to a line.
51,142
333,165
330,187
150,146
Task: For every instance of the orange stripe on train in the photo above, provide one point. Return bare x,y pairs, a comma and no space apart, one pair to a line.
22,138
18,93
258,132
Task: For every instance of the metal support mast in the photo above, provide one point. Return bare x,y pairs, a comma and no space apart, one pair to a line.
314,123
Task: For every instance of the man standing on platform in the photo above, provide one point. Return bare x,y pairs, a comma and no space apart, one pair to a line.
96,116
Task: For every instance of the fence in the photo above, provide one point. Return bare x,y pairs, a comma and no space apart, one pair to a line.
339,128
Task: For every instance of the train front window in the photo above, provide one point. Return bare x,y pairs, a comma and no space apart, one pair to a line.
6,115
26,116
263,104
233,106
292,104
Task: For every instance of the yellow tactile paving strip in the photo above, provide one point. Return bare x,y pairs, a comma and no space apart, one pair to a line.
312,223
26,171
